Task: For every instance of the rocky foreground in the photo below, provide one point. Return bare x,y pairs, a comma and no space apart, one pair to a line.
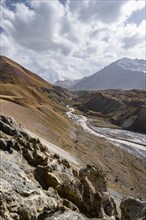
38,185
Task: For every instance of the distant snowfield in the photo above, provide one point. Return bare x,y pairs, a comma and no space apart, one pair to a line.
132,64
134,143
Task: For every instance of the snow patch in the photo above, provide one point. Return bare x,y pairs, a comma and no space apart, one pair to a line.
132,64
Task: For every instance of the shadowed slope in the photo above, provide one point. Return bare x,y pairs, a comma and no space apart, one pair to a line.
125,108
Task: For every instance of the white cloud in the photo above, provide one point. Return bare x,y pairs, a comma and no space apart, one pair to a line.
72,40
87,11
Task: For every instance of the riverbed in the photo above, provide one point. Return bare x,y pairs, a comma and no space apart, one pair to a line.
132,142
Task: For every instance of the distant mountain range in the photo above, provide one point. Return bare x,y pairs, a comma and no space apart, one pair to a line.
67,83
124,73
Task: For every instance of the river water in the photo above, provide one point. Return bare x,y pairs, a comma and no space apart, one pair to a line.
132,142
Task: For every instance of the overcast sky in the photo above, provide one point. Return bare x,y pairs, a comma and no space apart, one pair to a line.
63,39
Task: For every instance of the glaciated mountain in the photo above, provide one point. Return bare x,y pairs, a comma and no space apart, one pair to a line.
122,74
132,64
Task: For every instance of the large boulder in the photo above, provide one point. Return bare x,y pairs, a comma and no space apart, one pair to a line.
109,205
95,176
133,209
85,188
9,126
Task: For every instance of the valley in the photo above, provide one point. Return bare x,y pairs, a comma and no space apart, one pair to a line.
73,110
134,143
84,128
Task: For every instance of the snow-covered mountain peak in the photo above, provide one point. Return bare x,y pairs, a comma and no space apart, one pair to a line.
132,64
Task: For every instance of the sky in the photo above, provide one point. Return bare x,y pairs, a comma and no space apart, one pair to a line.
71,39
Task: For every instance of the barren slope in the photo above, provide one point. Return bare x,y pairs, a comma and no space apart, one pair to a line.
40,108
126,109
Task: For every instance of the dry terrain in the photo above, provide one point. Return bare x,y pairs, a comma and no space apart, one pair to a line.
40,108
114,108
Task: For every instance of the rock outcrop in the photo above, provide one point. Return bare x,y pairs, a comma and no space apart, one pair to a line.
38,185
133,209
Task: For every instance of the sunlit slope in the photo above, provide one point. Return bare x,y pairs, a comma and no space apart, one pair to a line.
37,104
13,73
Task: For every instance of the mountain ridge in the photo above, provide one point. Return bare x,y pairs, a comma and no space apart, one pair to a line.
16,75
19,72
124,73
132,64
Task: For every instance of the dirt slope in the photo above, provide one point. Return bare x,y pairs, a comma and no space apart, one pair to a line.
40,108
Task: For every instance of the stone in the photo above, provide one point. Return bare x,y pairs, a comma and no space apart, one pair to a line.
79,191
70,205
133,209
8,125
109,205
96,176
65,163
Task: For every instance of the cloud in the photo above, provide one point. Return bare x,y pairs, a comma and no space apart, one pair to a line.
129,42
87,11
70,39
33,28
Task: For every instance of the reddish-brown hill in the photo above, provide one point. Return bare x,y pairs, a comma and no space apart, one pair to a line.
13,73
32,101
16,80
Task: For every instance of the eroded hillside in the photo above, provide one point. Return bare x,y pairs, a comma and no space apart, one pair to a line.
127,109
